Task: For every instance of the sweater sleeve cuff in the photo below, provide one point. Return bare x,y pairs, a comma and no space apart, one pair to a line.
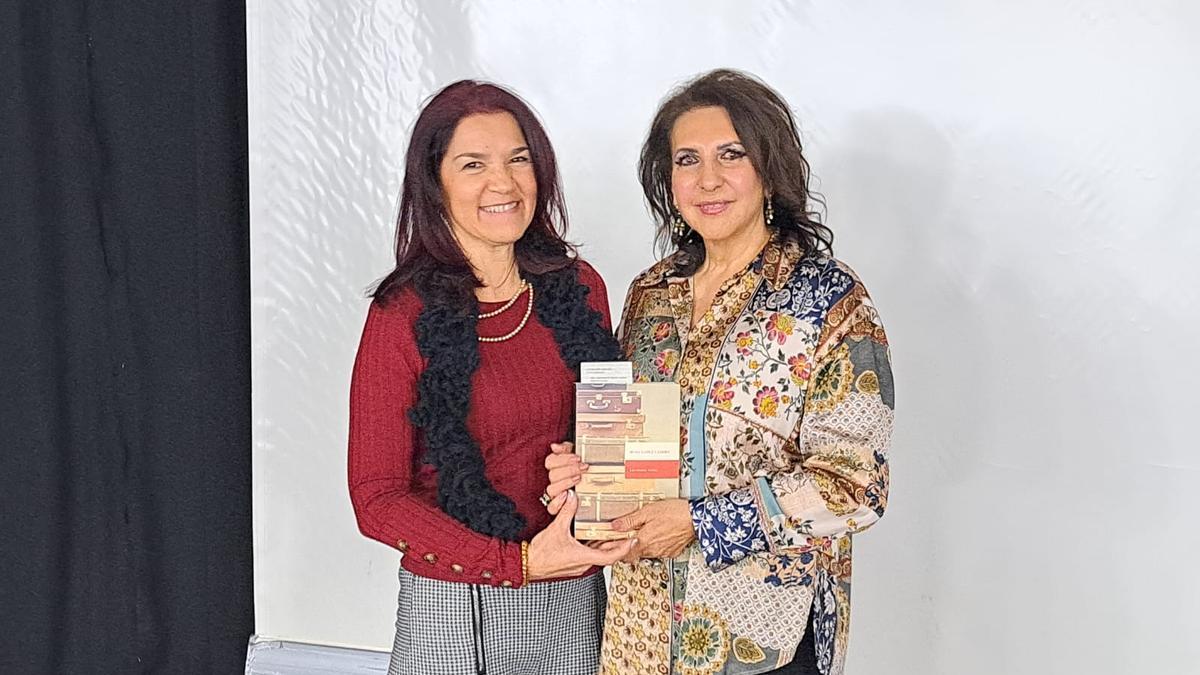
509,574
728,527
500,566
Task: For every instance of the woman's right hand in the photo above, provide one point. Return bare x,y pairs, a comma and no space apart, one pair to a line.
553,552
564,469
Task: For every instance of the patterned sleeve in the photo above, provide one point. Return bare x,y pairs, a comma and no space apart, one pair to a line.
629,309
839,484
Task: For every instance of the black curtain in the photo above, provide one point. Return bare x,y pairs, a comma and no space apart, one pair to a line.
125,541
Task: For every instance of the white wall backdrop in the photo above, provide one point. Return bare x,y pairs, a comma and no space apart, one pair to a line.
1015,181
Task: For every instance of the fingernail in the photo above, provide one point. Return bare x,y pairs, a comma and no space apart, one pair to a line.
583,465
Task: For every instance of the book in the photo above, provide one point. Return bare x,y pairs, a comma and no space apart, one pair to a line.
628,434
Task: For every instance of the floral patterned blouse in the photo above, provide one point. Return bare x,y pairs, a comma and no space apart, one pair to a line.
786,418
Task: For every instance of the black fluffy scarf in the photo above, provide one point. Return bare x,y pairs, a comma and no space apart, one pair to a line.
447,338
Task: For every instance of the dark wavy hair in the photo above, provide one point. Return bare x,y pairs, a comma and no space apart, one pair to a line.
431,263
766,126
424,241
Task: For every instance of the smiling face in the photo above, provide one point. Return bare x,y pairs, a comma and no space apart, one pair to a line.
488,182
713,183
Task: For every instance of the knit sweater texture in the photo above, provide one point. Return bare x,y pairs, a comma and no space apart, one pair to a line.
521,401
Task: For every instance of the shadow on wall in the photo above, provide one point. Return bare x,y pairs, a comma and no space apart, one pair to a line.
894,182
1001,263
336,100
891,183
337,156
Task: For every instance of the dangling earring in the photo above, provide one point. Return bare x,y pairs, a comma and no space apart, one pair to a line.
768,210
678,227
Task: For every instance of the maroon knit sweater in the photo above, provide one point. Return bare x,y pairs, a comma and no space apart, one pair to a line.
522,398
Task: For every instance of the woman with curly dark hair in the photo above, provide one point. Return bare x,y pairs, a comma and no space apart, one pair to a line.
463,380
787,402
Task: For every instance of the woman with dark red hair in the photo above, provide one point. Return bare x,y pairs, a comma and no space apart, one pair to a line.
463,380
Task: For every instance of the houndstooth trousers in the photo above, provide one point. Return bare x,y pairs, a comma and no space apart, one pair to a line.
445,628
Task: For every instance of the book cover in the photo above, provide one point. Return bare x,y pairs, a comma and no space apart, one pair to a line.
628,434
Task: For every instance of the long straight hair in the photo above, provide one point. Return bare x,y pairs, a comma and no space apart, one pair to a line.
424,242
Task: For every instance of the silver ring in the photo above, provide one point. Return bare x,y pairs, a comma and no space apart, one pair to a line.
545,499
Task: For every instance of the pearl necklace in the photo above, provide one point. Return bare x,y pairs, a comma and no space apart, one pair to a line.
524,319
510,303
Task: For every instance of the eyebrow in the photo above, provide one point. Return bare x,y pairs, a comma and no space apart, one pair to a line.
720,148
479,155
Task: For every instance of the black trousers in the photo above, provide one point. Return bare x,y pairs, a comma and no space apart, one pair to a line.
805,662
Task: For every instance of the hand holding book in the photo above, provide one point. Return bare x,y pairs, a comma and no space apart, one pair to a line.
564,470
663,528
555,553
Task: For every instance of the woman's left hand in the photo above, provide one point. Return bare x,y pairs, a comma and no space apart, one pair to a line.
664,529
